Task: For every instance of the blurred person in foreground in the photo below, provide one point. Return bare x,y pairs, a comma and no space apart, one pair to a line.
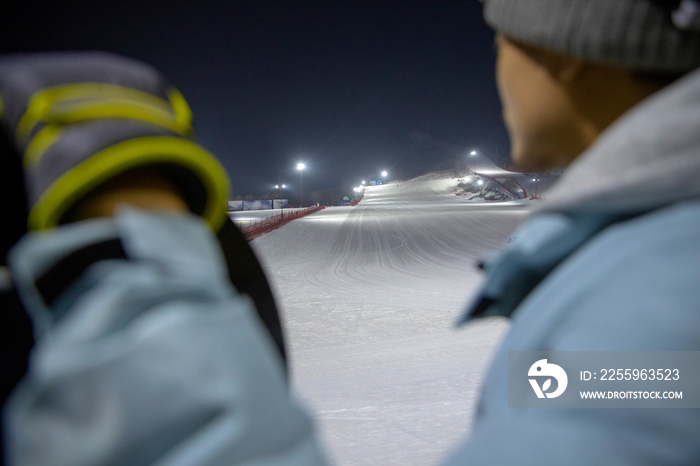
611,260
137,325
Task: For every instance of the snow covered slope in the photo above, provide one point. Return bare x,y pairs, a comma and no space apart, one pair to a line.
368,295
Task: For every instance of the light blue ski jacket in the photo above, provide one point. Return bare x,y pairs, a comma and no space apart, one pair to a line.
610,262
151,360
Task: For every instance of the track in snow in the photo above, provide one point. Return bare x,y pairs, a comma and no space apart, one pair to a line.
368,295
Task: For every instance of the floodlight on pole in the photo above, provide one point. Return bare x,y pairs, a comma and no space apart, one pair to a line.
384,174
279,188
472,153
301,167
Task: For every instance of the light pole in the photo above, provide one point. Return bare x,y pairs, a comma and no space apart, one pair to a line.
279,191
472,154
301,167
279,188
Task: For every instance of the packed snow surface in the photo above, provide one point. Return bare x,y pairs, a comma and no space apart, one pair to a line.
369,296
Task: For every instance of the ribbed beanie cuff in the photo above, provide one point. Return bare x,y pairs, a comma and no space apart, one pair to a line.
635,34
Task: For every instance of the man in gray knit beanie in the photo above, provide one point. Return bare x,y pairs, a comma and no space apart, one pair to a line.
600,57
609,263
644,35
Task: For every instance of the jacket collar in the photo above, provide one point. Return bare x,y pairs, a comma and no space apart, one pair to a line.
539,247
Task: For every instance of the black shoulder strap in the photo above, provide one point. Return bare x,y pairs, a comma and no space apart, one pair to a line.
245,273
16,340
16,336
57,279
248,277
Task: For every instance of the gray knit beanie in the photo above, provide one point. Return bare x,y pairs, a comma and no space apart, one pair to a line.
661,36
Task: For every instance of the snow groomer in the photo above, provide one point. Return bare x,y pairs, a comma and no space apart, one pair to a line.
138,326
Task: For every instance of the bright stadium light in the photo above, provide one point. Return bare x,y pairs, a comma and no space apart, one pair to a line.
473,152
277,186
300,166
363,183
384,173
480,182
284,186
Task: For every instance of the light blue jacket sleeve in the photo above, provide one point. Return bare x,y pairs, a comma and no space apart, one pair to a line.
151,360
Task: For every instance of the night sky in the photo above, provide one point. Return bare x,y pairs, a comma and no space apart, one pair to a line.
348,86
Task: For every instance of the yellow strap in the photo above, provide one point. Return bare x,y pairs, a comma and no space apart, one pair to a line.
41,103
50,134
95,110
183,113
114,108
72,185
40,144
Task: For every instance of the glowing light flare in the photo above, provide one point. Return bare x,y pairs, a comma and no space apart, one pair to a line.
300,166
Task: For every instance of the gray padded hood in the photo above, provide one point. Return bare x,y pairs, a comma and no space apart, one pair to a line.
78,119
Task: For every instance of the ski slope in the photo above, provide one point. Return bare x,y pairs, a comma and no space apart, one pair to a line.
369,295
